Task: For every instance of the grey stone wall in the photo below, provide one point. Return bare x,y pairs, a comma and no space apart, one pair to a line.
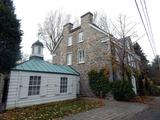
97,51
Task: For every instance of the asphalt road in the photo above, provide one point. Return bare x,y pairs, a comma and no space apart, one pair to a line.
151,113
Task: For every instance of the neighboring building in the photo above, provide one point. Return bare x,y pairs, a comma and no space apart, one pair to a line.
87,47
37,81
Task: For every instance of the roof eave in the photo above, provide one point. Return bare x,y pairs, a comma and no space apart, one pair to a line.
45,72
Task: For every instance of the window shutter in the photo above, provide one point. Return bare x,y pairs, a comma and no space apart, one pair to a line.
57,87
24,87
70,86
43,88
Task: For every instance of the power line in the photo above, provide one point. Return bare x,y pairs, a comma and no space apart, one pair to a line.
144,27
146,19
150,28
146,15
149,24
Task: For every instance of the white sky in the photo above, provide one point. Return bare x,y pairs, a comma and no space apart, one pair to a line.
33,12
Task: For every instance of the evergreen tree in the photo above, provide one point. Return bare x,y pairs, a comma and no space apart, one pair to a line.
144,62
155,63
10,36
154,71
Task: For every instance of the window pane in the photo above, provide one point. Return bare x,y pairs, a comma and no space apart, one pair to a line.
63,85
39,82
80,39
39,50
81,56
69,59
39,78
31,77
69,43
34,85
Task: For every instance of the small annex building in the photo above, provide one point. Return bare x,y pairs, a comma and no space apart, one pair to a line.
37,81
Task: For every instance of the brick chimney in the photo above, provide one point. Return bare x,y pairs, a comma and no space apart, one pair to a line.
67,27
87,18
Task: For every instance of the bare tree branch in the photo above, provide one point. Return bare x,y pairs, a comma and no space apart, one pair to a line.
121,28
51,29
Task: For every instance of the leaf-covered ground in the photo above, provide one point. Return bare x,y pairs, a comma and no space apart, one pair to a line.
51,111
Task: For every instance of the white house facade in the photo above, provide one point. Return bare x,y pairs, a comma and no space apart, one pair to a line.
37,81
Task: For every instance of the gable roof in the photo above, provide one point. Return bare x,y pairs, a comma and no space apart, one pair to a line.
38,65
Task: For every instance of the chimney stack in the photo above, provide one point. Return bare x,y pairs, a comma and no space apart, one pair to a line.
87,18
67,27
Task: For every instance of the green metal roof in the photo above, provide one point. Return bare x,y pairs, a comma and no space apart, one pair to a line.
39,65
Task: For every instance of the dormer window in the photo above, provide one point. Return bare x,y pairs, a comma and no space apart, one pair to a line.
69,42
80,37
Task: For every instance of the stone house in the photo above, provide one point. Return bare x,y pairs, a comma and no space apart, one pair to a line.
87,47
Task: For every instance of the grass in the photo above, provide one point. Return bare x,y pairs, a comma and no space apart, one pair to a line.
51,111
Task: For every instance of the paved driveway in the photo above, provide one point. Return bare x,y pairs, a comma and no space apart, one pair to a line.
152,113
113,110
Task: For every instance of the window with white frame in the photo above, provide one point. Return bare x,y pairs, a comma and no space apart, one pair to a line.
39,50
34,85
63,84
81,56
80,37
69,42
69,59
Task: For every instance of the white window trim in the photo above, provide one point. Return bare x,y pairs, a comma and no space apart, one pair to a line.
69,43
32,95
67,58
80,40
64,92
79,62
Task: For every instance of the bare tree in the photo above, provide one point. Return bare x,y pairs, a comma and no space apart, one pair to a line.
103,21
51,29
120,28
124,28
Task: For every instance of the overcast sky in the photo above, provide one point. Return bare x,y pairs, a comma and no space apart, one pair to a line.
33,12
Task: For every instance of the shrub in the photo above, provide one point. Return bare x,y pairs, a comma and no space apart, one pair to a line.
122,90
99,82
153,89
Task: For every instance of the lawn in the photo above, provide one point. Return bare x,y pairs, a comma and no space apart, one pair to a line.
51,111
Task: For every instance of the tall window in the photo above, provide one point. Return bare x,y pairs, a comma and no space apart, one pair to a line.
69,42
63,84
81,56
39,50
69,59
34,85
80,37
